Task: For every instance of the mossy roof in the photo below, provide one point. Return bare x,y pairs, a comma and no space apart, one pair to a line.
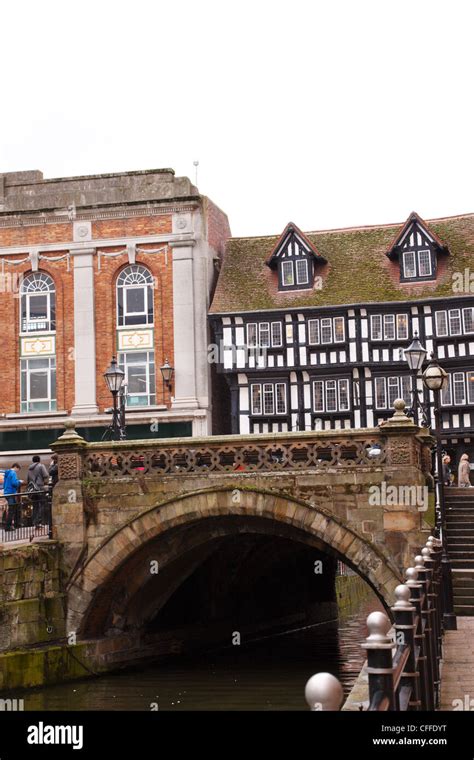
357,271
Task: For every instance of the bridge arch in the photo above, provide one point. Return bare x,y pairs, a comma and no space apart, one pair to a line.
177,533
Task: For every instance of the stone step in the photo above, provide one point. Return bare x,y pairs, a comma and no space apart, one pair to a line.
463,596
460,538
456,554
464,610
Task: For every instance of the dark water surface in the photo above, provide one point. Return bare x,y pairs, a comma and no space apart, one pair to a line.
266,674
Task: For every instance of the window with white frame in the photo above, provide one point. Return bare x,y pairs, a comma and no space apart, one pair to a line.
470,387
268,398
276,334
402,326
256,398
134,296
331,395
326,330
376,327
252,335
409,264
295,273
339,333
389,326
455,322
388,389
301,271
424,263
287,274
38,303
264,334
38,384
139,369
468,319
459,390
417,264
441,321
446,394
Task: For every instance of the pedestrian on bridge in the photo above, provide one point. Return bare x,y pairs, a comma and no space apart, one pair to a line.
464,471
11,486
37,479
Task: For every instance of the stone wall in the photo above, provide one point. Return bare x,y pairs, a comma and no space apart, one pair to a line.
31,600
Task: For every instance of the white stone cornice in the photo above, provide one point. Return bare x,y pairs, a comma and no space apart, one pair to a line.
171,239
63,217
79,251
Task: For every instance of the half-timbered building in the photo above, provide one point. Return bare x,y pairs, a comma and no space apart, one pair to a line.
310,329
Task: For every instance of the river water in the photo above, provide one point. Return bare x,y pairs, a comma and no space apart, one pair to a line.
265,674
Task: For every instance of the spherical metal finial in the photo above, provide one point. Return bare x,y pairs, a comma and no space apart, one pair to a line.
411,574
426,552
402,594
419,562
324,692
378,626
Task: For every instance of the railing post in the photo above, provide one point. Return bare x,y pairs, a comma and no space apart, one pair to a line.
416,593
324,692
424,576
435,545
430,565
404,616
379,661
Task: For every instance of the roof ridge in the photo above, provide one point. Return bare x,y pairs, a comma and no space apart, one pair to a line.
384,226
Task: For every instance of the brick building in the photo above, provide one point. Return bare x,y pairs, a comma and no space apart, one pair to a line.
91,267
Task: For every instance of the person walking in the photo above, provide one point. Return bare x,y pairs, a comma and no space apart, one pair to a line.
446,470
464,472
11,486
53,470
37,479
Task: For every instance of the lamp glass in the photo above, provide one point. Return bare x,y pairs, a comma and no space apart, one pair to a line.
114,376
434,377
415,354
167,371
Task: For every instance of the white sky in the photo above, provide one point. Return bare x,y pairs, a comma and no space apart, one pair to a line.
328,114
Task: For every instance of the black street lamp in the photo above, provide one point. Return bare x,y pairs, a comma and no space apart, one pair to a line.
114,378
415,355
167,373
435,378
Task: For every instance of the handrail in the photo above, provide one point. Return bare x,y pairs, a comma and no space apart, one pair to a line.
409,678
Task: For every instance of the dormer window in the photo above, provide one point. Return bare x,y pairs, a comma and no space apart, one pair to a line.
417,249
294,257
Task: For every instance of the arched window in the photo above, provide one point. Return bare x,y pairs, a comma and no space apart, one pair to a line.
134,296
38,303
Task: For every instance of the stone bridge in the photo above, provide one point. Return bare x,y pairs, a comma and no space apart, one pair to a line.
135,519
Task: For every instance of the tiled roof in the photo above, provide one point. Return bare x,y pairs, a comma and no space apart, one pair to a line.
357,269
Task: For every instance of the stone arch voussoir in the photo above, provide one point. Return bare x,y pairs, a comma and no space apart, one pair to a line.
370,561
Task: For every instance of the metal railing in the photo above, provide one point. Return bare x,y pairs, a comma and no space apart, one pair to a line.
403,659
25,516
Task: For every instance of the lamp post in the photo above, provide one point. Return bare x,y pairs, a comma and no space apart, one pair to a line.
415,355
114,378
435,378
167,373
